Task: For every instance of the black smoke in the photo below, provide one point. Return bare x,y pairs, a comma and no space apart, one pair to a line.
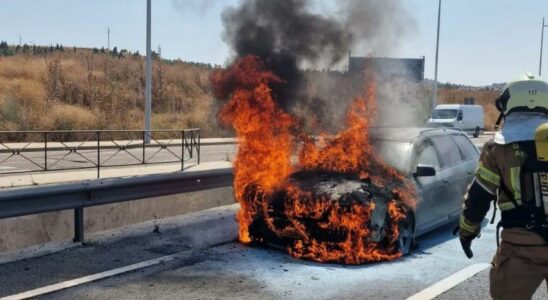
287,34
284,33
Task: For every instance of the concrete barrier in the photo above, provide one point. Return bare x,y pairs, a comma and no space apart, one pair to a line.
29,231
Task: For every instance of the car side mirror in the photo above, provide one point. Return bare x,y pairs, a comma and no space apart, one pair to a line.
459,117
425,171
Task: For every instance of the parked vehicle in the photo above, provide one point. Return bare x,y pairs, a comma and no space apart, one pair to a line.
469,118
440,162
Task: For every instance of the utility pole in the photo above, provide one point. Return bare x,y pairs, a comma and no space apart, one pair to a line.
108,38
20,40
148,85
435,96
541,44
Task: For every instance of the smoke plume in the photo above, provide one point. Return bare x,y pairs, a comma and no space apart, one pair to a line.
289,35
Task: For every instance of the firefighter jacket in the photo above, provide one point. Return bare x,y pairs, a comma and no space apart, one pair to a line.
497,179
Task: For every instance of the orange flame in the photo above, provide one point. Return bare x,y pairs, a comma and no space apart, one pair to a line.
266,141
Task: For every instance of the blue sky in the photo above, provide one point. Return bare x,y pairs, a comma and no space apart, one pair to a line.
481,42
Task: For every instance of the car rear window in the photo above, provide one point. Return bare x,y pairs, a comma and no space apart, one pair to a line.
448,150
467,149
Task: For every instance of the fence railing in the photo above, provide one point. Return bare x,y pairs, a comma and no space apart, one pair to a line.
86,149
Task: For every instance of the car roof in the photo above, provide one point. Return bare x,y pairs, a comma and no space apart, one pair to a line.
448,106
406,134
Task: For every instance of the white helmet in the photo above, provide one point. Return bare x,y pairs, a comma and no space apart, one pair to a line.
523,94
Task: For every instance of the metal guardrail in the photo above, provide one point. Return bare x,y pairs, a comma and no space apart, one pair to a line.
63,150
77,196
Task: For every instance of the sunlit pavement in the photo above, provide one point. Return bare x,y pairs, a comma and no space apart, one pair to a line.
239,272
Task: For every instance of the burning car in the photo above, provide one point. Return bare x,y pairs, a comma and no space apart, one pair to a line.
348,198
439,162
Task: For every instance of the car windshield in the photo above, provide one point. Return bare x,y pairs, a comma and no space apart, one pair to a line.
444,113
394,153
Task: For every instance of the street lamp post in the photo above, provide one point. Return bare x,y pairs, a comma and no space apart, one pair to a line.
541,44
148,80
435,96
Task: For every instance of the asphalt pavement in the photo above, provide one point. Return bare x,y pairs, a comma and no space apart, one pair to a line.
235,271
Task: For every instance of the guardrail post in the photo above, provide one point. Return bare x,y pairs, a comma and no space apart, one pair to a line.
144,148
78,225
98,134
182,150
198,148
45,151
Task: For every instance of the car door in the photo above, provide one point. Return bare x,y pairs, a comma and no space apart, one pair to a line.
470,157
452,176
460,119
426,154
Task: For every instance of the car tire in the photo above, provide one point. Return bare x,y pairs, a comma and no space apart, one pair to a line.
406,239
476,132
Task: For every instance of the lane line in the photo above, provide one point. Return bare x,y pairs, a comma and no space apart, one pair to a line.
448,283
90,278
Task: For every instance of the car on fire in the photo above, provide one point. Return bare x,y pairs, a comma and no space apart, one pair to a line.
441,163
333,216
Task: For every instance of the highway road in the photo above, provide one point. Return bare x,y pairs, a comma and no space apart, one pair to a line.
235,271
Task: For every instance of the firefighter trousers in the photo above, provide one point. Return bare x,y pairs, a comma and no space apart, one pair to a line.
517,271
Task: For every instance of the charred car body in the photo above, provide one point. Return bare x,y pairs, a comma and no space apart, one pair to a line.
440,163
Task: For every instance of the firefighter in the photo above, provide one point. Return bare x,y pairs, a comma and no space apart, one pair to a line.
513,171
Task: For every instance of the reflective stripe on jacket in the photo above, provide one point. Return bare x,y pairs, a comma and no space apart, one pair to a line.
498,175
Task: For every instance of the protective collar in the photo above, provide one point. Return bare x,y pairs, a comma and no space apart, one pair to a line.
519,127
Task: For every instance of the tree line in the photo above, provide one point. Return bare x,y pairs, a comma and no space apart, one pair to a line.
10,50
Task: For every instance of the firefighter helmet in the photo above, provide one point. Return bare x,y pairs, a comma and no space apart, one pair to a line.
525,93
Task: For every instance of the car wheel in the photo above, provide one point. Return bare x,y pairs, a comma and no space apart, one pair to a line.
477,132
406,238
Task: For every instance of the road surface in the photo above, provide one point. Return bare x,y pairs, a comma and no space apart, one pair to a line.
235,271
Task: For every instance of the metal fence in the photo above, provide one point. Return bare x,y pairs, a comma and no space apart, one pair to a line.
86,149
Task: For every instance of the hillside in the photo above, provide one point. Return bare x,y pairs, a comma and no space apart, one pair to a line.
88,89
53,88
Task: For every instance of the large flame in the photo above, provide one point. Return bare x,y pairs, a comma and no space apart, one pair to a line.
268,137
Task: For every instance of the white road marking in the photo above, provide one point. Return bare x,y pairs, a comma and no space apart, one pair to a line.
448,283
90,278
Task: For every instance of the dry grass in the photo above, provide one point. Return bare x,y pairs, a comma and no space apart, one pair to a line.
81,90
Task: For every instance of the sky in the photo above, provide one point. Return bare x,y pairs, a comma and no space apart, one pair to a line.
481,42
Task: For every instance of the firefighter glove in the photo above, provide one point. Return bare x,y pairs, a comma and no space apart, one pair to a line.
465,241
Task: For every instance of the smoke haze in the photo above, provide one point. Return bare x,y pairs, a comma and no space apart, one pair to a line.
289,35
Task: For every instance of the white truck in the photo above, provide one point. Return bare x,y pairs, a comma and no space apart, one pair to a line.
469,118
